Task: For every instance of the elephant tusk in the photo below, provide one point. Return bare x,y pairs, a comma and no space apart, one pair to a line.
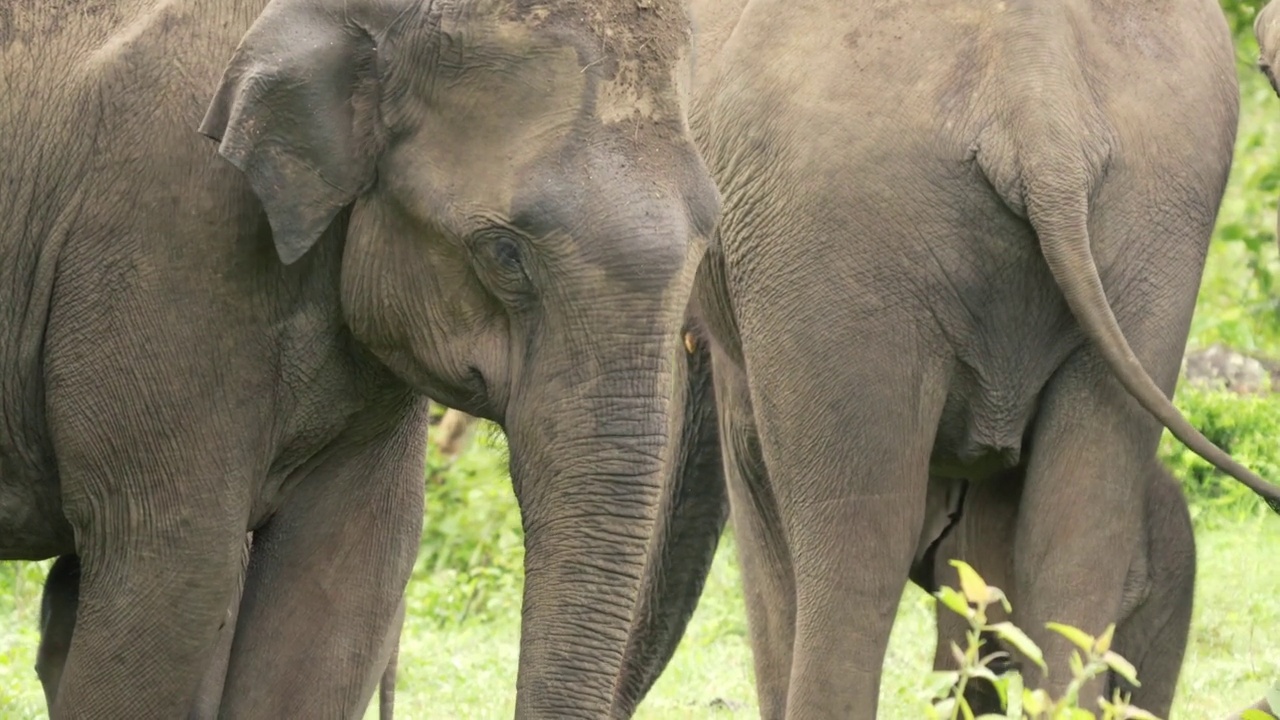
690,342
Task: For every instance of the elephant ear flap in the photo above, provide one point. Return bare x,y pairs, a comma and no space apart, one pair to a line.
295,112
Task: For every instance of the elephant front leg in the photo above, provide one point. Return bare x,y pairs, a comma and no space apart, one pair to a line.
768,583
322,598
156,578
983,537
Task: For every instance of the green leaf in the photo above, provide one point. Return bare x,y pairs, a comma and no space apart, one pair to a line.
1103,642
954,601
1078,637
971,583
1252,714
1121,667
1011,693
941,683
1013,635
1136,713
1035,702
984,672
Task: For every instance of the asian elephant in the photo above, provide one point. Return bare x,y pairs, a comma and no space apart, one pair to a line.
496,203
1157,595
957,239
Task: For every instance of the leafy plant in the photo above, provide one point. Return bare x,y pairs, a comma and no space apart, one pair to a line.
471,561
971,602
1246,426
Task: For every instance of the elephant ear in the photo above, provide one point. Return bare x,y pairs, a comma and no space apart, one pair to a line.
296,113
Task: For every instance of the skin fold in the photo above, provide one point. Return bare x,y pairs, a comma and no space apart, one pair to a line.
242,241
957,240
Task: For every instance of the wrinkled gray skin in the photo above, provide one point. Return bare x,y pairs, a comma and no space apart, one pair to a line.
1157,596
496,203
58,620
958,238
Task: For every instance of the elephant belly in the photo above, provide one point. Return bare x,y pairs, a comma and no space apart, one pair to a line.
999,375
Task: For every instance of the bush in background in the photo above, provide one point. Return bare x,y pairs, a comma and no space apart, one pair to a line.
471,561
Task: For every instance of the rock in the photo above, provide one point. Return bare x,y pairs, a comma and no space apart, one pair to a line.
723,704
1220,366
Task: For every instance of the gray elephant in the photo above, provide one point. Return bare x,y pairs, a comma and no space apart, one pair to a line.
957,239
1157,596
496,203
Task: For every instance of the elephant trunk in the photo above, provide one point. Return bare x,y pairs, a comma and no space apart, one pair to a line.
692,512
586,472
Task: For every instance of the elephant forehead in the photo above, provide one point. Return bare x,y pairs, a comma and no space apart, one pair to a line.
639,49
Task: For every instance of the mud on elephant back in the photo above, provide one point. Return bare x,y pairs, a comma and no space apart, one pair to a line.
496,203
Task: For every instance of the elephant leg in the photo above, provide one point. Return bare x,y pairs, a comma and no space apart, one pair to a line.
209,696
983,537
1153,636
387,687
1083,499
847,448
767,579
157,569
691,516
57,622
326,580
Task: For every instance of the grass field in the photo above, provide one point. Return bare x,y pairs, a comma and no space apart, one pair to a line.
467,670
459,651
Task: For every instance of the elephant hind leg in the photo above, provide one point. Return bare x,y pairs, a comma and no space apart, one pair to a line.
1153,636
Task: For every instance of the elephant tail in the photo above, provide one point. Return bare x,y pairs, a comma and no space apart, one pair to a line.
1057,206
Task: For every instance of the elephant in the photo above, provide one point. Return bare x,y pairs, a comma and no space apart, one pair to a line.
957,239
1266,30
58,604
242,242
1158,590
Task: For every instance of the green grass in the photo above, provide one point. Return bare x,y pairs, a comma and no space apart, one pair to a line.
467,669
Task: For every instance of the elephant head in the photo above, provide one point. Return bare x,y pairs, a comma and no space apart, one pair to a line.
523,210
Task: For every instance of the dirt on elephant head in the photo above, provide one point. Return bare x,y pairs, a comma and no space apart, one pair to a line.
639,43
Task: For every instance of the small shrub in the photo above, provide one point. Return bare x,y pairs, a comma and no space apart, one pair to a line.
1247,427
971,602
471,561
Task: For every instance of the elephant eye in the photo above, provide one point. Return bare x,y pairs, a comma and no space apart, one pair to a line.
506,253
500,253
